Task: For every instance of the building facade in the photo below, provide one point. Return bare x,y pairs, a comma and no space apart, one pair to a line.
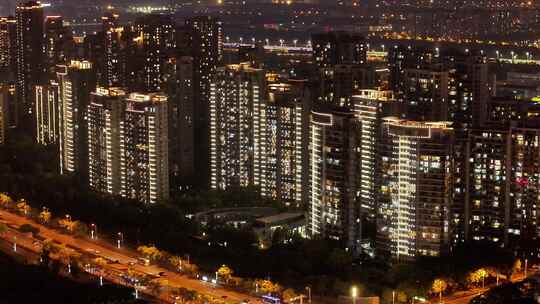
46,114
415,189
333,211
181,121
144,157
30,60
285,144
127,144
237,132
370,107
76,82
206,44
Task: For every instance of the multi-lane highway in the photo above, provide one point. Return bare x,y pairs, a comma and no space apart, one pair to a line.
121,257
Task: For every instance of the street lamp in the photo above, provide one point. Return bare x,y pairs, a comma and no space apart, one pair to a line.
354,294
93,231
120,239
68,217
526,262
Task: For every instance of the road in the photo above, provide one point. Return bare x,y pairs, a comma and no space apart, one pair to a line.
123,256
465,297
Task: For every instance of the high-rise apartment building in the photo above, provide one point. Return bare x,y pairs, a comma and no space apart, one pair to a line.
340,82
425,93
338,47
415,189
370,107
110,63
76,81
237,132
144,170
469,88
30,60
127,144
401,58
524,186
488,168
104,116
59,46
46,114
8,47
285,144
181,120
157,38
333,211
207,51
4,113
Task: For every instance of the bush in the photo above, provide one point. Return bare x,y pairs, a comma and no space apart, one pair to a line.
26,228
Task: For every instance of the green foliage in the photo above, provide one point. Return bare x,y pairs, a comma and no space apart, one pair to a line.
25,228
3,228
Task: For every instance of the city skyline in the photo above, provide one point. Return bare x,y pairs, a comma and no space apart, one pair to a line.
366,136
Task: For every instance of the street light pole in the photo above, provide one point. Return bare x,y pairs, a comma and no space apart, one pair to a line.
309,294
354,294
120,239
526,262
93,231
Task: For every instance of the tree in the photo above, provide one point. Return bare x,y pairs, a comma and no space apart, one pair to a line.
5,200
3,228
185,294
478,276
176,262
439,286
154,287
191,268
288,294
66,255
99,261
23,207
150,252
225,272
45,216
517,266
26,228
48,245
267,286
68,224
